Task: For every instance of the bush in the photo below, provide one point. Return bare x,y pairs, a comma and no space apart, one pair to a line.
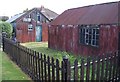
6,27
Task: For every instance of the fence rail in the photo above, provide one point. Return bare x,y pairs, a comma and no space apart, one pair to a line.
44,68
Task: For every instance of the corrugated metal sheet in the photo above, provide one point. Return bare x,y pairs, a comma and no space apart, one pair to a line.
14,17
67,39
106,13
49,14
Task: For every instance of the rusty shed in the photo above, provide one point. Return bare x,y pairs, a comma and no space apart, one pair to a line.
32,25
89,30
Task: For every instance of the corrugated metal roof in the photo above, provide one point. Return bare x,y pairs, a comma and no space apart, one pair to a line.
106,13
14,17
48,13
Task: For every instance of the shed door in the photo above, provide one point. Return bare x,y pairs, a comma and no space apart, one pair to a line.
38,33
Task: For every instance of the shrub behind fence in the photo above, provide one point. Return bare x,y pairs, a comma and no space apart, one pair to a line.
44,68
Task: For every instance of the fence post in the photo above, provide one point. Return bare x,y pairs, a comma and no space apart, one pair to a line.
3,42
119,64
65,59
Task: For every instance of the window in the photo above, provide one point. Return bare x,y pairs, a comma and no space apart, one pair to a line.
89,35
38,17
29,16
30,27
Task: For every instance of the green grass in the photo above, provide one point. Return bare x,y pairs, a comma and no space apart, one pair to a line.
43,48
10,71
0,66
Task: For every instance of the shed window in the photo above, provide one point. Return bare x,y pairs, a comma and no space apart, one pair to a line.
89,35
30,27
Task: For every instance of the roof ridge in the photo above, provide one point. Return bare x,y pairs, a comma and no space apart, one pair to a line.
104,3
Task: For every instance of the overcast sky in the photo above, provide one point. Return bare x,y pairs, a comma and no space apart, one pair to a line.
12,7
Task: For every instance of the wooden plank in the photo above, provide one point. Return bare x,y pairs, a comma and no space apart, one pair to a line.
117,67
57,71
75,70
102,69
114,66
88,70
49,76
106,70
36,65
53,70
39,69
93,69
33,65
68,71
63,71
30,62
25,59
45,71
42,67
22,58
110,69
98,69
18,55
82,71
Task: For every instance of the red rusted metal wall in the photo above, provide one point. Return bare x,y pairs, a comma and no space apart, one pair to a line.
23,35
66,38
44,32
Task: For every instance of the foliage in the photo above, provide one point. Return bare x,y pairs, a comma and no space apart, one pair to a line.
4,18
6,27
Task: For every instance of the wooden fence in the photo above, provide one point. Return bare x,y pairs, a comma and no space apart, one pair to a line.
43,68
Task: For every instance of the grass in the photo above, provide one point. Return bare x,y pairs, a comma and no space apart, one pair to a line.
43,48
0,66
10,71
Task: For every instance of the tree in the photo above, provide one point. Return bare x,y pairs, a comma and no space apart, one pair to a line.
6,27
25,10
4,18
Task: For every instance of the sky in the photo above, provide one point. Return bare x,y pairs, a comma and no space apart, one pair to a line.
12,7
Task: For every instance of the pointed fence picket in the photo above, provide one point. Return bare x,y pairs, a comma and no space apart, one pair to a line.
44,68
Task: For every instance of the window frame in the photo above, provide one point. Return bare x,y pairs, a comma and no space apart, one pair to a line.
89,35
30,27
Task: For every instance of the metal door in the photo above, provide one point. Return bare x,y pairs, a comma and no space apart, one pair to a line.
38,33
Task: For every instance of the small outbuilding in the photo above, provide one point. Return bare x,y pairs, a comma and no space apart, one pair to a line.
89,30
32,25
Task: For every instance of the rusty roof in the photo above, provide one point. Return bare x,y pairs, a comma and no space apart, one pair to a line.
106,13
49,14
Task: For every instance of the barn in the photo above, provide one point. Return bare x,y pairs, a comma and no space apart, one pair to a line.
88,30
32,25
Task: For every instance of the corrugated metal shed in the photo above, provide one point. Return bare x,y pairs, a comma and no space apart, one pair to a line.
106,13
